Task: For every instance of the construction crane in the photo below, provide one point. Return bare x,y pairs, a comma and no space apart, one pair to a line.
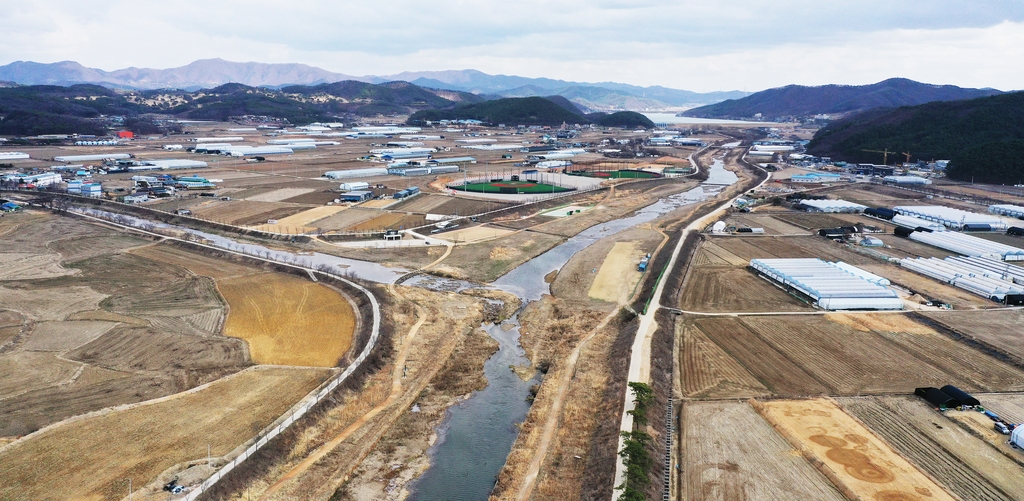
885,154
906,154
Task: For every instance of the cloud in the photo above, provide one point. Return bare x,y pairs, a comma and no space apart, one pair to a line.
697,45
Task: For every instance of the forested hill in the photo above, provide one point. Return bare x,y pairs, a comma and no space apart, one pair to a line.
530,111
983,138
800,101
52,109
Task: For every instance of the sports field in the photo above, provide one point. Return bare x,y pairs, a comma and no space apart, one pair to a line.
510,187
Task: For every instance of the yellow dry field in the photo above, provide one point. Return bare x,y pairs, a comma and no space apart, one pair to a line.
378,204
618,274
981,426
474,234
287,320
299,222
91,458
855,457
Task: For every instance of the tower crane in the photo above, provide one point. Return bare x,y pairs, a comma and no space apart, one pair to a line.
885,154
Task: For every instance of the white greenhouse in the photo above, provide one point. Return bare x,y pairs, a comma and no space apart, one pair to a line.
968,245
974,276
834,286
832,206
1007,210
952,218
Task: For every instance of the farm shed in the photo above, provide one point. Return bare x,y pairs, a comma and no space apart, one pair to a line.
962,397
355,196
1015,231
831,286
1007,210
950,217
832,206
880,213
936,397
968,245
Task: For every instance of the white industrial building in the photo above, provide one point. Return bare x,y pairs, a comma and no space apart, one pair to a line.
495,147
167,164
906,180
1007,210
347,174
44,179
968,245
833,206
386,129
986,277
217,139
953,218
833,286
92,158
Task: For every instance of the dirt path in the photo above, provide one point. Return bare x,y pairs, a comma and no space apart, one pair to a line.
551,425
396,391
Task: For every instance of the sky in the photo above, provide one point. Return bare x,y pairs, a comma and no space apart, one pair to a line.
695,45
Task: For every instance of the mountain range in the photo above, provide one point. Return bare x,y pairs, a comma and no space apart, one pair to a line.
209,73
800,100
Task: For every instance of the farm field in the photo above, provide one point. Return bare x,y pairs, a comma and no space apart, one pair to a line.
856,458
196,263
998,329
379,204
96,454
981,370
244,212
732,288
847,360
790,247
771,224
346,219
730,453
279,195
301,222
287,320
617,275
767,364
810,221
707,371
423,203
966,465
393,220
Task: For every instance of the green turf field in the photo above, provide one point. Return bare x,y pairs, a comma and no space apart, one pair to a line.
511,188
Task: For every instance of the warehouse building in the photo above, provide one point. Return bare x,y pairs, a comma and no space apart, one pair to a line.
348,174
92,158
355,196
815,177
833,286
906,180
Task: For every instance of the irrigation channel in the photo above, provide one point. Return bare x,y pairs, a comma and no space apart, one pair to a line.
477,434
